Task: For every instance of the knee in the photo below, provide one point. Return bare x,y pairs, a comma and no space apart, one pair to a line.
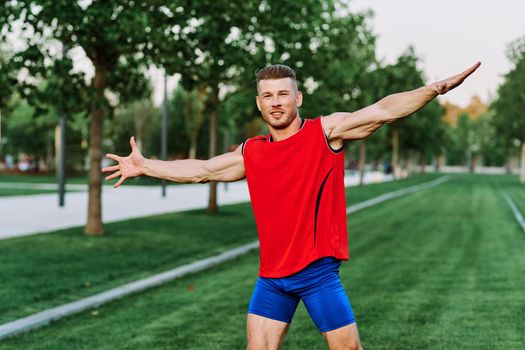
261,345
354,346
347,342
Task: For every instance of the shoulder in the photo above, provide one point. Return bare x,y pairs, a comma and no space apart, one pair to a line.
331,121
256,139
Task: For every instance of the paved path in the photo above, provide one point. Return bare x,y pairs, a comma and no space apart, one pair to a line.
27,215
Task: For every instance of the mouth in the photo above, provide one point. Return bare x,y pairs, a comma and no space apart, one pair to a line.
276,114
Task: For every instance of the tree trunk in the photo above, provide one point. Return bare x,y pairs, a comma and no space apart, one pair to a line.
440,162
214,96
395,152
522,172
422,162
403,167
508,164
511,163
94,219
473,162
362,162
193,146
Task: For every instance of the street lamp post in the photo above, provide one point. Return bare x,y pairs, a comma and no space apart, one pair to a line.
62,162
164,131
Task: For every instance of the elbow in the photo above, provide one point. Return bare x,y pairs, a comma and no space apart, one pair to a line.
201,176
384,114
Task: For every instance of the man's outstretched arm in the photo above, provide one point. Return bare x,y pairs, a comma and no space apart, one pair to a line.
227,167
341,126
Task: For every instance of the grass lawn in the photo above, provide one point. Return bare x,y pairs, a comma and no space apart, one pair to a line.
439,269
47,270
77,180
513,187
4,192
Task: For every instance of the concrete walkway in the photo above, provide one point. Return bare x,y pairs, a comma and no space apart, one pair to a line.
31,214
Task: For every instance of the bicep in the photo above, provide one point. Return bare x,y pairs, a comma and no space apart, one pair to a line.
353,126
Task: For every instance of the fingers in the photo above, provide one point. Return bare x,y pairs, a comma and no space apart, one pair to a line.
110,168
119,182
113,156
114,175
469,71
133,144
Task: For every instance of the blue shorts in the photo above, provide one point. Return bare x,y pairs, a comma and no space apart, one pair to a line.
318,286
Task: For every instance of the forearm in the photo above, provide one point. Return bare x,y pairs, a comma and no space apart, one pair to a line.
182,171
402,104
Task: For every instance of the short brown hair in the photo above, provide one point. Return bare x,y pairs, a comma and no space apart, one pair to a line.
275,71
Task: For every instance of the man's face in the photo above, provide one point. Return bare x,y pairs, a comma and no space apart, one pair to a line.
278,100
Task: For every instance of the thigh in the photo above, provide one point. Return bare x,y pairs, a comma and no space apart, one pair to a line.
264,333
343,338
270,300
269,315
328,304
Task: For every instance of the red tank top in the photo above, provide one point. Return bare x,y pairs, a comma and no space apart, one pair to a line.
298,199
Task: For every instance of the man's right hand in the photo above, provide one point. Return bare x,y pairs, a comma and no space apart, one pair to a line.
129,166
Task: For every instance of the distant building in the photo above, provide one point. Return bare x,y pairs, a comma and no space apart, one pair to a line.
474,110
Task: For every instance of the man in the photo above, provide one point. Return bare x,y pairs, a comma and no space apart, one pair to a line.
295,177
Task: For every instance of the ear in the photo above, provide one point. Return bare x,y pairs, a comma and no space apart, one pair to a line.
258,102
299,98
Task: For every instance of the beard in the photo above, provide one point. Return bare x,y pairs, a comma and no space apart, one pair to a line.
281,123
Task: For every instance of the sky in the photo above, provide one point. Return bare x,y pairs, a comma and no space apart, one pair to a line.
449,36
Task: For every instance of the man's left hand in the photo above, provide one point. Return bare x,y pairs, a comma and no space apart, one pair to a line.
444,86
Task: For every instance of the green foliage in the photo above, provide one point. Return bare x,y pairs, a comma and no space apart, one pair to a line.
424,131
29,132
7,80
138,118
489,144
190,108
332,52
509,105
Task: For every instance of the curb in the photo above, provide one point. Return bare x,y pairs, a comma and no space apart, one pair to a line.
514,208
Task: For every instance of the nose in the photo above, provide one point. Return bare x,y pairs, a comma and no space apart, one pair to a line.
276,101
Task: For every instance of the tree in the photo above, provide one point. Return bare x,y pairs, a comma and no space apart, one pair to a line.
423,135
7,80
509,105
190,107
133,118
421,131
119,38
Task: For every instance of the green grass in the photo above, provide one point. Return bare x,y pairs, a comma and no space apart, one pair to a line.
47,270
439,269
513,187
50,269
5,192
361,193
39,179
77,180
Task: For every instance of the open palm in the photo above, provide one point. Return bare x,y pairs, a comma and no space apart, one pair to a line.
129,166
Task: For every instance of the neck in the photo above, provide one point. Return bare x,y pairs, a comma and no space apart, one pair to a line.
281,134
